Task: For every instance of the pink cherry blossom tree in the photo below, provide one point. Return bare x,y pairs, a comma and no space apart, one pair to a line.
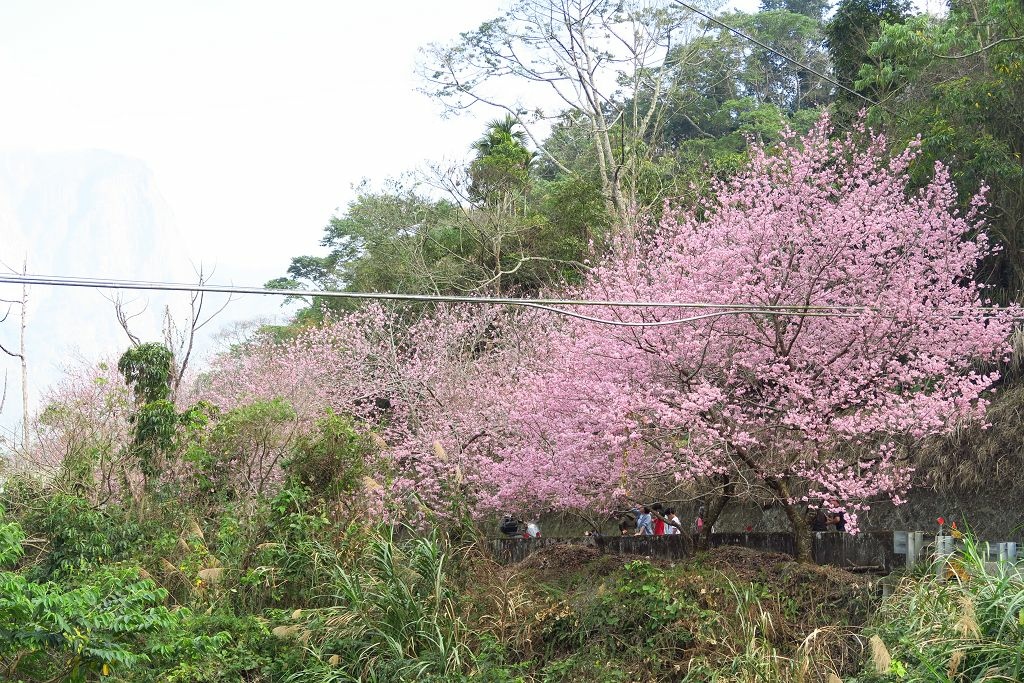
428,383
425,381
879,346
80,434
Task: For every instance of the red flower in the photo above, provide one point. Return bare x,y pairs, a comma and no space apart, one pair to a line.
942,521
750,528
953,524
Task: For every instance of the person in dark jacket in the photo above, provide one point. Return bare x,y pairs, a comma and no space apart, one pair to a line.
820,521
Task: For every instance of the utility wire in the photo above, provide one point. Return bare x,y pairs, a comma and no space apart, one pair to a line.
715,310
111,283
550,305
771,49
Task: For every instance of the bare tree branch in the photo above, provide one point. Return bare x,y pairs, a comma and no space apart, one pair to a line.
124,317
981,49
179,338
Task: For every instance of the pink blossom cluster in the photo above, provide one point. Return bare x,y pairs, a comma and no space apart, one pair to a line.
84,424
428,383
882,346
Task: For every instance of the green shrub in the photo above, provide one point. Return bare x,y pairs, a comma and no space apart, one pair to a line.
245,651
331,461
76,536
285,552
240,458
96,624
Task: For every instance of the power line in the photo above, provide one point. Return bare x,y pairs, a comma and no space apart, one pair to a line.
112,283
713,310
771,49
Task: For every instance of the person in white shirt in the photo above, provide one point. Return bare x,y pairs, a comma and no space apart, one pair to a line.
673,525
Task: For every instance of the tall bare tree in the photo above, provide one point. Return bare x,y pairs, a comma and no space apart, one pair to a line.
606,63
179,332
20,354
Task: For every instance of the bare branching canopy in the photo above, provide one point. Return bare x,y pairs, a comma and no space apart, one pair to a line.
605,66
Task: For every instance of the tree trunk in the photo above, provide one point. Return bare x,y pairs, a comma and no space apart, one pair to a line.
715,510
24,365
797,519
802,541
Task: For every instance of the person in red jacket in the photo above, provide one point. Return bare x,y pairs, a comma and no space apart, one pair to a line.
659,519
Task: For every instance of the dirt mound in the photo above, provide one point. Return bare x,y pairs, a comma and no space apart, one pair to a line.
815,589
566,557
759,565
737,589
568,565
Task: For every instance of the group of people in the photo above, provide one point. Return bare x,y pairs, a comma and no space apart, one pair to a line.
656,520
513,527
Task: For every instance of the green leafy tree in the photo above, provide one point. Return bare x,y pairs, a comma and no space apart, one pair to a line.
770,78
854,26
393,240
331,461
500,173
241,457
732,94
959,83
813,9
500,230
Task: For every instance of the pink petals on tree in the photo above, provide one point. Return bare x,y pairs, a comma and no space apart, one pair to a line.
813,407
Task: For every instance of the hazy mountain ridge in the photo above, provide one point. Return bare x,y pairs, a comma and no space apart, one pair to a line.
84,213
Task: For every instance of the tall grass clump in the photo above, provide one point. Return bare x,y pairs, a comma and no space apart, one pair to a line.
396,615
751,645
960,622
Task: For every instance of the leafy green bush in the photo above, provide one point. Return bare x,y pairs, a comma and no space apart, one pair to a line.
637,619
331,461
245,651
286,551
95,624
77,536
240,458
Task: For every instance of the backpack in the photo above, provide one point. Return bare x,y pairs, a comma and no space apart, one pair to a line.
509,525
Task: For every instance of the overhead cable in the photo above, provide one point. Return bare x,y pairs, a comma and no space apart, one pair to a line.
550,305
771,49
711,309
111,283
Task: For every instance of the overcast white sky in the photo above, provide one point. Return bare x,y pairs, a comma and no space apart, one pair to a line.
255,118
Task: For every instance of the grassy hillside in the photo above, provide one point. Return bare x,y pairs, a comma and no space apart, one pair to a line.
280,593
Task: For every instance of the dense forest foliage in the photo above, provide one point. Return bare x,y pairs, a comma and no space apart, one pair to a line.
313,505
546,191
